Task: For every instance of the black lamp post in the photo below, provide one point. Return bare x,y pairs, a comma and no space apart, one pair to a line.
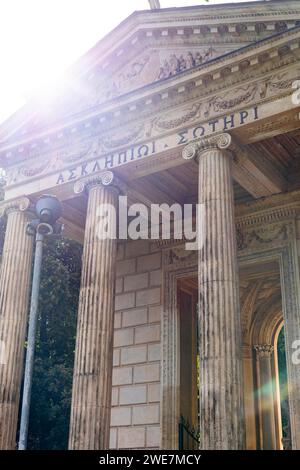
48,210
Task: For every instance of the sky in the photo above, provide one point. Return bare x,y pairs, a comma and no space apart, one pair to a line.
40,39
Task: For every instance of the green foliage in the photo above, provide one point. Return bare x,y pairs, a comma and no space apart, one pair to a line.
53,368
283,384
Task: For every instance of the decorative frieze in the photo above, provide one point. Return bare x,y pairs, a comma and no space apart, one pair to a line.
214,100
257,238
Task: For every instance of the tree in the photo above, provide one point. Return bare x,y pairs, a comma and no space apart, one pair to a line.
283,384
53,367
55,343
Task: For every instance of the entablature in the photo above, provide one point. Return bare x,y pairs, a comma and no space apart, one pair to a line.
254,67
127,102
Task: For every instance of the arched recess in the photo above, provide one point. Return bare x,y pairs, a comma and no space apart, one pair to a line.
274,242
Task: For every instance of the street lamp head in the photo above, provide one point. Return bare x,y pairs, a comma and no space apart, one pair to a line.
48,209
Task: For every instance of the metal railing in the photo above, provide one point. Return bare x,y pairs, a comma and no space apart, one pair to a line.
188,436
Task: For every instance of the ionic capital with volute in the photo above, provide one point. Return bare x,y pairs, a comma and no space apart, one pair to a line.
21,204
106,179
219,141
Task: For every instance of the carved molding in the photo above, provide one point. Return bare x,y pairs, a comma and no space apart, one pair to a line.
278,245
247,306
179,255
215,101
199,111
170,346
288,302
263,350
265,232
264,236
153,65
268,316
282,205
277,209
249,240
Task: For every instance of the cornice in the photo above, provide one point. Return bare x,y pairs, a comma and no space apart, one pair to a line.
178,88
202,15
267,210
190,27
261,212
183,22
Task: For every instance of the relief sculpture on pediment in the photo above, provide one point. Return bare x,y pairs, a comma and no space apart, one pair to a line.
155,65
178,62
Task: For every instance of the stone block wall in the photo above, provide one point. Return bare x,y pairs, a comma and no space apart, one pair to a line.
135,414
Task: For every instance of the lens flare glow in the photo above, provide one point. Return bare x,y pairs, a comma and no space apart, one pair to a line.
39,40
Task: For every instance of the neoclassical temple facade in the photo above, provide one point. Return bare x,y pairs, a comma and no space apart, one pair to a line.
186,105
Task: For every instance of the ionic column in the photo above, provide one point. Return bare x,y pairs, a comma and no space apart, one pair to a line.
221,391
15,276
266,395
92,381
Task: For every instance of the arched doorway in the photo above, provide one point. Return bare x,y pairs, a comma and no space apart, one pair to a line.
268,293
266,394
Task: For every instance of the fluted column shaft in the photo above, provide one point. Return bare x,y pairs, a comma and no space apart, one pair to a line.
221,392
15,277
92,381
266,395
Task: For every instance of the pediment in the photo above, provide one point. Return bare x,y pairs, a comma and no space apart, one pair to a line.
156,64
149,47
